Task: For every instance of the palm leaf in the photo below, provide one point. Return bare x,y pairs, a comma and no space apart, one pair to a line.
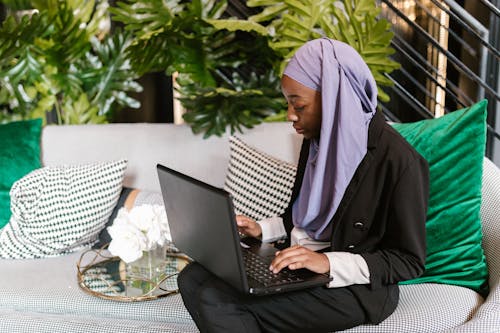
16,37
48,62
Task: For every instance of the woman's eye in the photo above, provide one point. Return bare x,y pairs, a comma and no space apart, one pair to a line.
299,108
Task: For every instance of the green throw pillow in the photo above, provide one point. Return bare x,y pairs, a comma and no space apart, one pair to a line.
19,155
454,147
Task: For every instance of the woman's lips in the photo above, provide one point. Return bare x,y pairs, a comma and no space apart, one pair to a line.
298,130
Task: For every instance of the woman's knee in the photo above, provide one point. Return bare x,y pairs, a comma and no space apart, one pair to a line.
190,278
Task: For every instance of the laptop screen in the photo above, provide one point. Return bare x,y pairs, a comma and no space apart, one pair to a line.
202,224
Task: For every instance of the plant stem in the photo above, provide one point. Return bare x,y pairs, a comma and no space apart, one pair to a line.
58,112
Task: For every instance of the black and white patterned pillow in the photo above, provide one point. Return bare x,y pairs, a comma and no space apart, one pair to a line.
57,210
260,184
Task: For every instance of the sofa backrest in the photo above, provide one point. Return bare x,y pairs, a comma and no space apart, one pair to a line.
144,145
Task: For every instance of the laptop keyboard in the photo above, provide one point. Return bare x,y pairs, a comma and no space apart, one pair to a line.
258,269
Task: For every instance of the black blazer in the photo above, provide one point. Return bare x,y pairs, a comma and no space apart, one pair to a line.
381,216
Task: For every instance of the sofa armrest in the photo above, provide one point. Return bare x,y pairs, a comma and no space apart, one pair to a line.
487,317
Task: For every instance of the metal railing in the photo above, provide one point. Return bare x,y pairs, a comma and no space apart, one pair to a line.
470,53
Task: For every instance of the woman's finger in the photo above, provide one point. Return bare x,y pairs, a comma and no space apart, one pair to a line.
293,262
286,258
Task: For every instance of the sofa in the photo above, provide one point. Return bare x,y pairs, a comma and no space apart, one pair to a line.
42,295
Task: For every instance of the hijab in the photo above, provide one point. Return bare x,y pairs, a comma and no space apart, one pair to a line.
348,100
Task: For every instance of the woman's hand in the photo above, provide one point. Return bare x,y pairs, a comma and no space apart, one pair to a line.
247,226
297,257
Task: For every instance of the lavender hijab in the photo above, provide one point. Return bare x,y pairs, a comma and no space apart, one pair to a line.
349,100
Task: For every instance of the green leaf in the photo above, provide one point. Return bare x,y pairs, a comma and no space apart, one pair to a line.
214,109
269,13
108,77
18,4
295,22
52,59
225,64
81,111
235,25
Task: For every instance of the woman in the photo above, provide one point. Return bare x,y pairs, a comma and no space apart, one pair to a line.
357,210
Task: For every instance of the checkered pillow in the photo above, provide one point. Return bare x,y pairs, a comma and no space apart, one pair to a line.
57,210
261,185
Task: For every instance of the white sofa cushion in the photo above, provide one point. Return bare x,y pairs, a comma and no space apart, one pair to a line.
24,321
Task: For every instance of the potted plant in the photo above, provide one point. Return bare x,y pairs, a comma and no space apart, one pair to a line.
229,69
60,62
224,65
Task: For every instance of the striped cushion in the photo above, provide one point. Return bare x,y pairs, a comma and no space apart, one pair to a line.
261,185
57,210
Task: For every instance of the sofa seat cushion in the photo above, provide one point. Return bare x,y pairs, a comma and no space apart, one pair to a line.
427,307
22,322
50,286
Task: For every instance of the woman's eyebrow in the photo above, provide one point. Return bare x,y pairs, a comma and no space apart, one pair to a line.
293,97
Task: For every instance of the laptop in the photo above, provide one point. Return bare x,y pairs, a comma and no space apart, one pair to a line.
203,226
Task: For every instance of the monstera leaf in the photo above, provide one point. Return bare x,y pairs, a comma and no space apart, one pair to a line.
152,25
106,74
220,60
185,37
293,22
354,22
218,108
238,25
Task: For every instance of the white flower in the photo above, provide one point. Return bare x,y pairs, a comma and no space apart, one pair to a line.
128,242
161,215
141,229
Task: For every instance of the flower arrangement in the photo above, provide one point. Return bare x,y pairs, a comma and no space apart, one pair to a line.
139,230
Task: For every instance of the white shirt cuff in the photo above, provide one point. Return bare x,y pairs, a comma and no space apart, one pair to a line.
347,269
272,229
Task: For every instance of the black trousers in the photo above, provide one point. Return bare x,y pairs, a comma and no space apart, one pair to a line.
217,307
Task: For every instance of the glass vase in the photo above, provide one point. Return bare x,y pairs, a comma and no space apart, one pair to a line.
144,274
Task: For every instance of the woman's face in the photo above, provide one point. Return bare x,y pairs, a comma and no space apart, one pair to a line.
304,107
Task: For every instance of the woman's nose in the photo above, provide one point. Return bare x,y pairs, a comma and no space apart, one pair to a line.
290,114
